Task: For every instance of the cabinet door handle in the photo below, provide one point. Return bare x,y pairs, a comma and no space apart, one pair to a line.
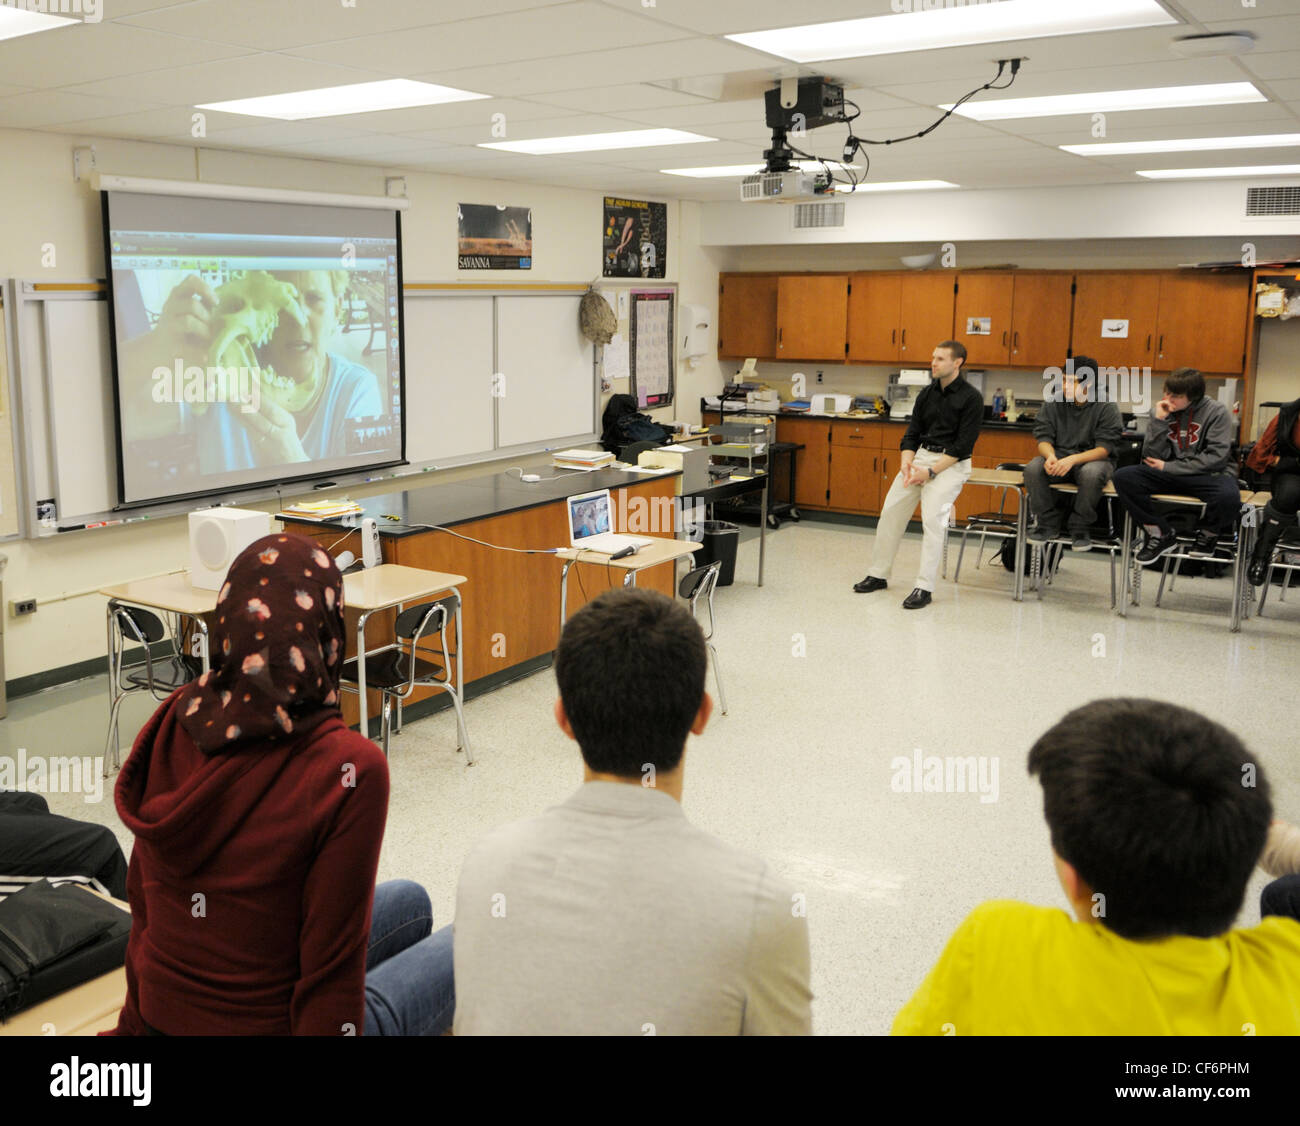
780,332
903,341
1161,346
1004,340
873,464
1015,341
893,337
1148,342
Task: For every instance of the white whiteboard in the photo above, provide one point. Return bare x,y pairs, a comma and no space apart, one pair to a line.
449,348
550,386
81,406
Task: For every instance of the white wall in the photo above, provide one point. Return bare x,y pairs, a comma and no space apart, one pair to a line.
40,203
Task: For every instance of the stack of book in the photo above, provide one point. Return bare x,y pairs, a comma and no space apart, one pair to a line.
582,459
322,509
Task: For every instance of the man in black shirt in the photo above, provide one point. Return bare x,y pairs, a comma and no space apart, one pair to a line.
935,464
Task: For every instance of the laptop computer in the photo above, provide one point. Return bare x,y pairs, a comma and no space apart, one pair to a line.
590,520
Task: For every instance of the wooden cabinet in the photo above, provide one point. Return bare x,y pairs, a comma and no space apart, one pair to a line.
899,317
812,317
1202,322
812,463
982,318
875,305
1040,319
853,482
747,315
1106,300
925,316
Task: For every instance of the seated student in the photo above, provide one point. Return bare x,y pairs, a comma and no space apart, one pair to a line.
1281,859
1278,450
1076,438
36,842
1187,450
611,914
1157,816
258,818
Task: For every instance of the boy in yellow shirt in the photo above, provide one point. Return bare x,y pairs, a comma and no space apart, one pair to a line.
1157,817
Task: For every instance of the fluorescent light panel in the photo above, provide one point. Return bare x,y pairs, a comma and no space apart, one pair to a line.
722,170
594,142
897,186
1218,173
336,101
955,26
1188,144
18,21
1112,101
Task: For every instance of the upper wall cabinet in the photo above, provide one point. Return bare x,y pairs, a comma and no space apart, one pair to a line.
1203,322
899,318
1115,318
1018,319
812,316
747,315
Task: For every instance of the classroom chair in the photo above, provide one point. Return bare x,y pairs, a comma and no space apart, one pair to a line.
700,584
1000,524
133,625
1287,545
1106,533
399,669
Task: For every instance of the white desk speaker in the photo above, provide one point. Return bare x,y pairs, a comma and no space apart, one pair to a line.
217,535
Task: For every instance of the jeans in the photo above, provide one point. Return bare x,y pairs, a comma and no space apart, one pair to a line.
1135,484
1091,477
410,990
1281,897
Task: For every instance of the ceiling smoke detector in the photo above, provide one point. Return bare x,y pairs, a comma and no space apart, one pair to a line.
1213,45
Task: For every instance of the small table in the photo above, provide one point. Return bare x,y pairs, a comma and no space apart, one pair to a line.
389,585
171,593
660,551
729,487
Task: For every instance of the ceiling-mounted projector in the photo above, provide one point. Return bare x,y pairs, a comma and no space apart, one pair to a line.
781,187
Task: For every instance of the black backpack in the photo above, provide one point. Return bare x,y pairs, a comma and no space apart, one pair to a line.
624,424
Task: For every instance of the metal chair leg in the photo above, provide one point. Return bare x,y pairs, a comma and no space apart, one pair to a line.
1111,555
1164,572
956,575
462,732
113,748
398,729
387,721
717,676
979,555
1263,594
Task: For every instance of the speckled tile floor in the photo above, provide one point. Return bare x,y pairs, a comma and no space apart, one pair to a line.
825,687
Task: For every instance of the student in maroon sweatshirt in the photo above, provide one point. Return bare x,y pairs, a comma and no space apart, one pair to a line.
258,818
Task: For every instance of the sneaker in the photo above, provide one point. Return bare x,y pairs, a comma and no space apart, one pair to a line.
1155,547
1081,541
869,584
1206,542
1042,533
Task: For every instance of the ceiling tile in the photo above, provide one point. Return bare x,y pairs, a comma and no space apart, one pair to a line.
23,111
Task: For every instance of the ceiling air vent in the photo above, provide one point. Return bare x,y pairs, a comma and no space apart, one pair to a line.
1273,201
808,215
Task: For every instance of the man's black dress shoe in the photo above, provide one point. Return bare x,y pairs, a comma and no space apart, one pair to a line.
916,599
870,583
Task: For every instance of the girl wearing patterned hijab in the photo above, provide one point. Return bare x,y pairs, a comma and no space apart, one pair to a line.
258,818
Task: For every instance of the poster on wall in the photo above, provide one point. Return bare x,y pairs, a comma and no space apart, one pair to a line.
494,237
635,238
651,349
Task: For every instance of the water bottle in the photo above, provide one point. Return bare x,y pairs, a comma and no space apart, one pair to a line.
999,403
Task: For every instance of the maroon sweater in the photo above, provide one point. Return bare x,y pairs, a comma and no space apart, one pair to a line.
251,881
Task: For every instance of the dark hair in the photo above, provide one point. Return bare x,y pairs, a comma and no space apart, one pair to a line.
1080,365
630,666
1160,810
957,348
1186,381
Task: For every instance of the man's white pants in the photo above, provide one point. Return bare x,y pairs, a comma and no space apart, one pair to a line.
937,498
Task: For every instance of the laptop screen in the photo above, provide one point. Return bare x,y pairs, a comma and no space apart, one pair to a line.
588,515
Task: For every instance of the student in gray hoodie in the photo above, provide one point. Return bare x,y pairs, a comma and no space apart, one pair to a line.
1187,450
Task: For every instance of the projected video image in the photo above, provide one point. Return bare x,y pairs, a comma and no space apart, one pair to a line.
242,358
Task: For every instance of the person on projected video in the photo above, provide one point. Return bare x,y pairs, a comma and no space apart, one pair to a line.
305,393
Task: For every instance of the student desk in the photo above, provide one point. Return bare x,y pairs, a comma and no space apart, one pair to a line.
662,551
503,534
378,588
1012,478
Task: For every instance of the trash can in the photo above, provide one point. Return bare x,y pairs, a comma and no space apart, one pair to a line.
718,540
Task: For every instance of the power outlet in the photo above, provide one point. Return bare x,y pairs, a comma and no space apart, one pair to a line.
21,607
819,377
